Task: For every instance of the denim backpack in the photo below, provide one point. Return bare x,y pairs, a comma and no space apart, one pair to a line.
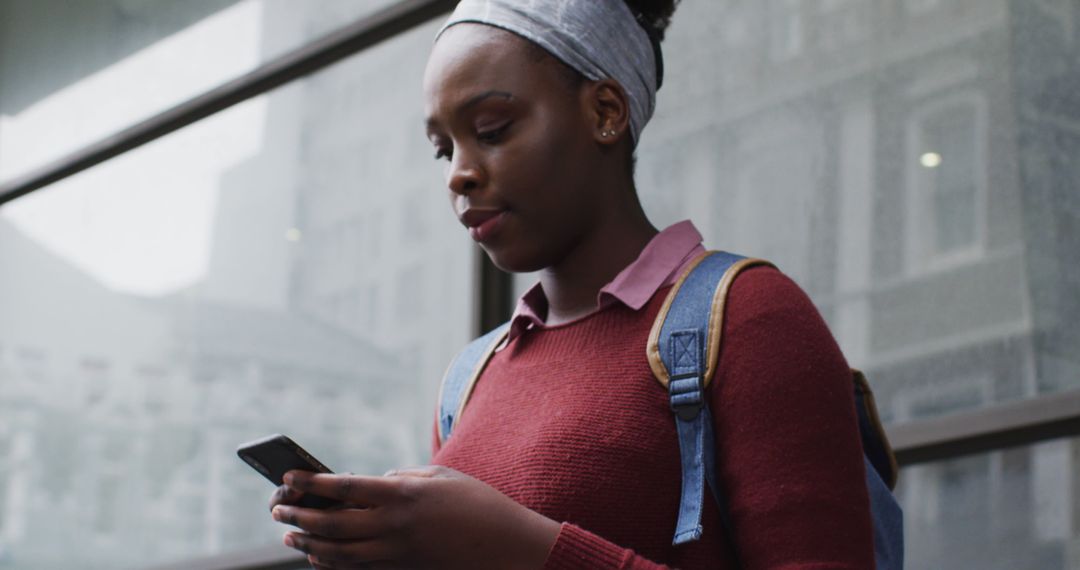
683,352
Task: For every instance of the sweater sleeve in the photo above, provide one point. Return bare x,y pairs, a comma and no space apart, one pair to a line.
789,459
788,453
577,549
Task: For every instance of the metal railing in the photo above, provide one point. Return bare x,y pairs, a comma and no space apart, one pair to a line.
1001,426
333,47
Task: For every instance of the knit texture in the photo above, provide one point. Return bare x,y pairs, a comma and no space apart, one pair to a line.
570,422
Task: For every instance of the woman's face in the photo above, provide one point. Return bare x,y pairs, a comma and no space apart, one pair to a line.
519,143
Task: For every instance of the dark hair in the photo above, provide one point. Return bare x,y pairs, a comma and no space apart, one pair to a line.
654,15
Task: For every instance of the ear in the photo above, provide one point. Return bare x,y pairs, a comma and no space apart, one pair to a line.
609,111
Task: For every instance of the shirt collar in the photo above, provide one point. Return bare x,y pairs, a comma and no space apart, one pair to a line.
658,265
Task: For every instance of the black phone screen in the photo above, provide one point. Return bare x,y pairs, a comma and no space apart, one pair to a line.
275,455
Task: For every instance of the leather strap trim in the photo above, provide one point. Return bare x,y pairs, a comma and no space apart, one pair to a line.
716,319
871,412
716,316
652,348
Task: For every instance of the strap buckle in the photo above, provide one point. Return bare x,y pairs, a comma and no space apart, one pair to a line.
687,396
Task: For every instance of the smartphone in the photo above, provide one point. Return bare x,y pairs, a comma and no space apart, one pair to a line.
274,455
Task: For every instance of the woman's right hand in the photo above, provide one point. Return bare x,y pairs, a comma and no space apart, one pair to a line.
285,495
425,517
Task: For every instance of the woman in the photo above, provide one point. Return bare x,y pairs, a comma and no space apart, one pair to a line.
567,457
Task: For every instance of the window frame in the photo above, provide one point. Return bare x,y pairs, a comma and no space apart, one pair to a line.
921,251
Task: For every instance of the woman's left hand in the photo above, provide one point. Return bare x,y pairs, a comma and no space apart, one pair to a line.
429,517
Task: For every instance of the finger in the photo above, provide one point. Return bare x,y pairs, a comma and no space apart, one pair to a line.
284,495
414,471
352,489
319,564
339,553
353,524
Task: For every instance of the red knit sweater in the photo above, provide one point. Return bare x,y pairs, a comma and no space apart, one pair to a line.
570,422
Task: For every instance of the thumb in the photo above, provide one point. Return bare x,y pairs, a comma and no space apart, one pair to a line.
417,471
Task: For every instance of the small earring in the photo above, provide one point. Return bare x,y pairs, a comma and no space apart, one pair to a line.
610,133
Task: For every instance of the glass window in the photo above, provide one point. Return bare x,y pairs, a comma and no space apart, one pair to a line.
5,467
919,184
921,6
947,209
72,73
289,265
1015,508
842,22
786,29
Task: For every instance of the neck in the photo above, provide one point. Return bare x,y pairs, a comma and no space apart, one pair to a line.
572,285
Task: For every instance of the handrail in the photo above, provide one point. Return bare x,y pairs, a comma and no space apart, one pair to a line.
309,58
274,557
998,426
1023,422
335,46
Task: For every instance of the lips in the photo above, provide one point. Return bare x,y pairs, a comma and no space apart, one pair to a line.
483,223
474,217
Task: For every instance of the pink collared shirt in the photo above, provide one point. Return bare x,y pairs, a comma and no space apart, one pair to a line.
659,265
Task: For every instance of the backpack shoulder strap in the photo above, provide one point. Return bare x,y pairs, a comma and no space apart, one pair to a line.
461,376
887,518
696,301
683,351
875,442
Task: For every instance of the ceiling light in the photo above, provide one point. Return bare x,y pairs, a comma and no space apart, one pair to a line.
930,160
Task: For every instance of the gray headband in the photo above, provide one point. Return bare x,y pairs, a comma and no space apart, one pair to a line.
598,38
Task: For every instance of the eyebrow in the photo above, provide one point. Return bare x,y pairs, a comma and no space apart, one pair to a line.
475,100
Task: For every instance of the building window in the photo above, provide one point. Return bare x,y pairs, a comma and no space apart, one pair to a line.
787,29
5,469
946,170
775,195
919,7
840,23
95,376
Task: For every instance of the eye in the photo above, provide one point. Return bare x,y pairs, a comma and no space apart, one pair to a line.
493,135
442,153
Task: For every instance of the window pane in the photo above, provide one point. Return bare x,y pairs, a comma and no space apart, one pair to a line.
952,278
947,149
72,73
1003,510
289,265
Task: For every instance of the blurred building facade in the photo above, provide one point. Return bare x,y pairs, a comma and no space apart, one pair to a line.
911,163
907,162
120,412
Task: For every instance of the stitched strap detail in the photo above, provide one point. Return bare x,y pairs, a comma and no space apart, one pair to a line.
697,449
685,389
698,458
683,349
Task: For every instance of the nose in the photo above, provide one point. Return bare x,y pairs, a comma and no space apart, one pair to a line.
464,174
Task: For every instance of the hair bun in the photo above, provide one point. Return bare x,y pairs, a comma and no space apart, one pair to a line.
655,14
